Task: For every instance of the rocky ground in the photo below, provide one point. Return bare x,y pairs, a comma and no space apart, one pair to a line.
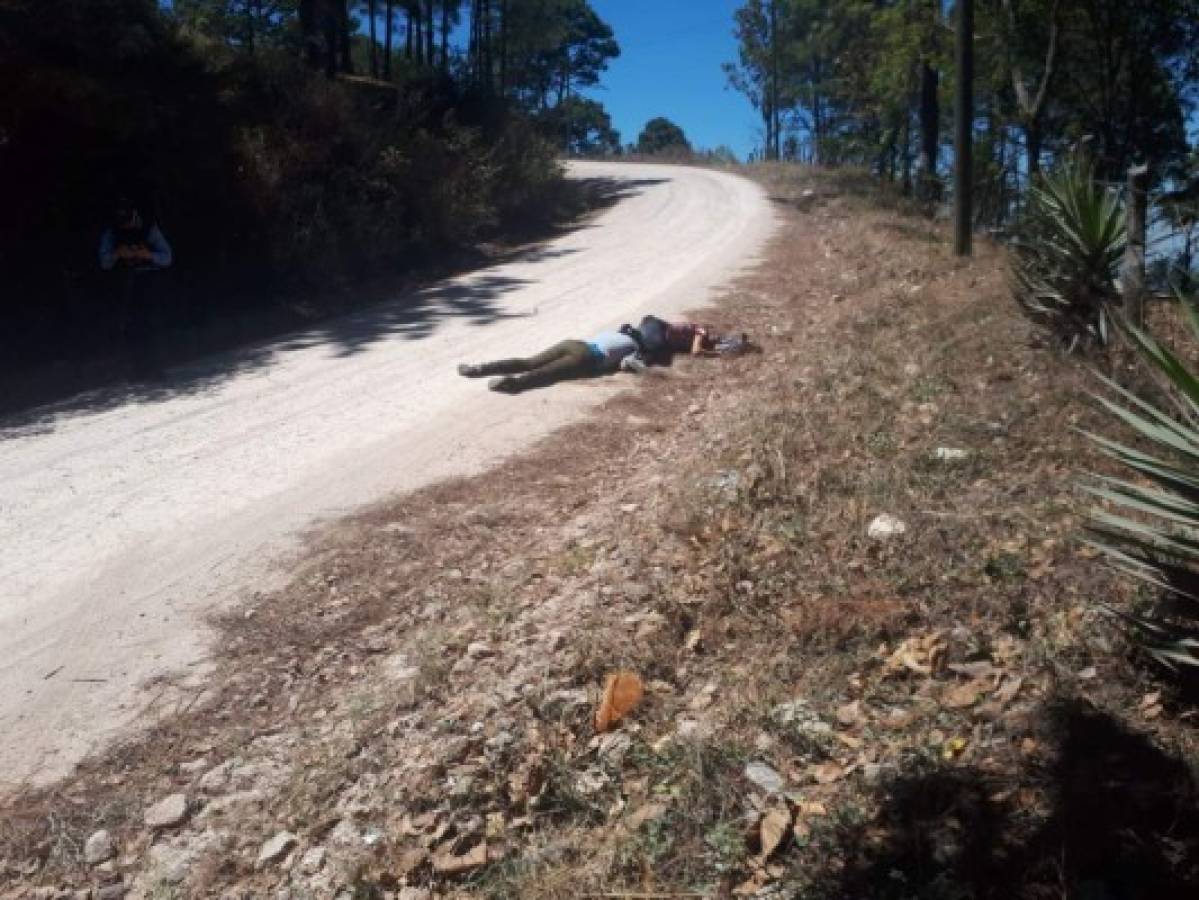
843,574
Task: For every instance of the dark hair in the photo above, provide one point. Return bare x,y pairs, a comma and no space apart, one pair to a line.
632,332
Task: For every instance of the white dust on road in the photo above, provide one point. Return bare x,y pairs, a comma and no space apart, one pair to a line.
123,524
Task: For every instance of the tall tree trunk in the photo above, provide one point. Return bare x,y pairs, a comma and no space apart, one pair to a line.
775,75
374,56
488,59
418,33
504,47
388,29
1031,106
343,36
407,31
310,32
430,34
907,153
930,132
445,36
473,49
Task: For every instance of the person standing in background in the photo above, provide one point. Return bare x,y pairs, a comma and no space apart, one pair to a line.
133,249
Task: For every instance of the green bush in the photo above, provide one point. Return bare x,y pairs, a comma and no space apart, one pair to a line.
1150,527
1067,254
265,174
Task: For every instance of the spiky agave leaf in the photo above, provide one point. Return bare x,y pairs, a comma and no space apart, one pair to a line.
1150,528
1068,253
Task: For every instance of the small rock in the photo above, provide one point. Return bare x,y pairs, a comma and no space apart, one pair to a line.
637,591
98,848
276,848
167,813
313,861
885,526
696,731
194,766
765,777
171,864
950,454
479,650
111,892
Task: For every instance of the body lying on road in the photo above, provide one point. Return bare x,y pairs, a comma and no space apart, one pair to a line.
627,348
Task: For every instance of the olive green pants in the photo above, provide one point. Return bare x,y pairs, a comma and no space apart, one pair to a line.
566,359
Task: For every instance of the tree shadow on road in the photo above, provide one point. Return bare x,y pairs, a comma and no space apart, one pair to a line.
207,357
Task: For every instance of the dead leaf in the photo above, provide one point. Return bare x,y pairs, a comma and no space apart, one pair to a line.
963,695
850,714
1009,689
622,692
922,654
648,813
981,669
408,861
448,863
954,747
827,773
772,831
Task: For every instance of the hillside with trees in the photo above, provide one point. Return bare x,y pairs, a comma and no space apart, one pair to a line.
844,83
281,144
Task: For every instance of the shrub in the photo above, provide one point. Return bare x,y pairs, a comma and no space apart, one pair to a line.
1151,527
1067,254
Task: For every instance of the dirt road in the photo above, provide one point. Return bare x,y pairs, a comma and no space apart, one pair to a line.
126,516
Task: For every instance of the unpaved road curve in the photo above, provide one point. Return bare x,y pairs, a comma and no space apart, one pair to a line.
123,519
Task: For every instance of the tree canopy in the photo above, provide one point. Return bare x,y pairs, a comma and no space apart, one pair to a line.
661,135
864,83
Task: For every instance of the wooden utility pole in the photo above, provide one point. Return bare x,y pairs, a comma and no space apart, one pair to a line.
963,163
1132,275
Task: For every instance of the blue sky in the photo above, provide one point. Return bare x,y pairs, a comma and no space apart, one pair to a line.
670,65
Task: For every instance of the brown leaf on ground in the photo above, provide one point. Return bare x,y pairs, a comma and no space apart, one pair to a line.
449,863
772,831
964,695
850,714
647,813
622,692
922,654
827,773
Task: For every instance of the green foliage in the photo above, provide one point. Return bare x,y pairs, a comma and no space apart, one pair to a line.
582,126
662,136
1068,253
1150,525
266,173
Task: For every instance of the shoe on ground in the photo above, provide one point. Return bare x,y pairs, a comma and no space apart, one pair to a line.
470,371
505,385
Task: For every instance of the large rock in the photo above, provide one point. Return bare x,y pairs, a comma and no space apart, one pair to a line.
99,848
167,813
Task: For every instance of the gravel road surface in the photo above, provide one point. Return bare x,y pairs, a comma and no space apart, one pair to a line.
127,514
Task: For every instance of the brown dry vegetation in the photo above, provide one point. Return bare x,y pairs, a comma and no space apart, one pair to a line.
948,713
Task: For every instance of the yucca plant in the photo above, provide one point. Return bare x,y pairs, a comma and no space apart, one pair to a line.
1150,528
1067,254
